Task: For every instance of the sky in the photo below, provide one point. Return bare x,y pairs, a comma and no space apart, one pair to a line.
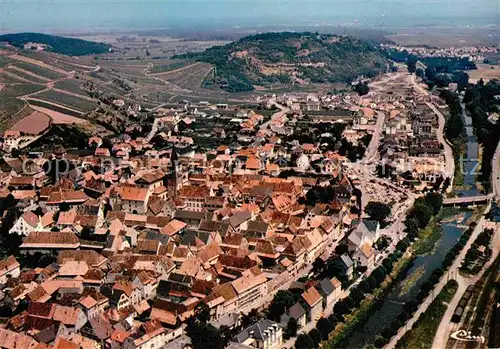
115,15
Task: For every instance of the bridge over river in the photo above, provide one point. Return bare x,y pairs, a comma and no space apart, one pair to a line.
467,199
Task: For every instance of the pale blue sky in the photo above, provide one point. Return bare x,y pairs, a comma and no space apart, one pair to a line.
93,15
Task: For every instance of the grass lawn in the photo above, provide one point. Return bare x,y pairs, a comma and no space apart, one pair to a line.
423,332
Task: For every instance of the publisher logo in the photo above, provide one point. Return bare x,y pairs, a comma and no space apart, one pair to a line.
466,336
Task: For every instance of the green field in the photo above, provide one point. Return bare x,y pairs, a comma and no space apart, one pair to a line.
4,61
165,66
67,100
26,76
71,85
46,73
10,105
189,78
6,79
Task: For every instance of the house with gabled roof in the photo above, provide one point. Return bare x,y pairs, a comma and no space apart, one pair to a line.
365,255
26,224
9,268
297,312
49,242
348,265
329,291
251,287
313,303
365,230
263,334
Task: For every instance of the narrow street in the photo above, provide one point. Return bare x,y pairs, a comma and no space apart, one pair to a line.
449,169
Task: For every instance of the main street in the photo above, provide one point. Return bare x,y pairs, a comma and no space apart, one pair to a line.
495,173
449,169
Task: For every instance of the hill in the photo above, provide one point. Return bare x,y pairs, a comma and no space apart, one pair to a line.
56,44
290,58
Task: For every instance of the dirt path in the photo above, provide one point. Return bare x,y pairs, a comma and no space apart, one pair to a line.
89,67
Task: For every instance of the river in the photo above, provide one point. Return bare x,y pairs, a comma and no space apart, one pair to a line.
470,164
422,267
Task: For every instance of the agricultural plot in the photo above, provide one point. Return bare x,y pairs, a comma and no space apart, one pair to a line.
60,109
33,124
39,63
189,77
22,89
7,78
485,72
165,66
19,110
72,67
71,85
67,100
35,69
54,58
11,106
119,64
25,75
4,60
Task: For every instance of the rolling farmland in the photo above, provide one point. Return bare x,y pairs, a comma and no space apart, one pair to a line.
43,72
67,100
166,66
187,77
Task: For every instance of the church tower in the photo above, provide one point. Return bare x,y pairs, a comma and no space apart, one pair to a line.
174,178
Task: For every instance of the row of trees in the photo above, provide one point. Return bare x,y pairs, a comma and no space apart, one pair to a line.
454,127
421,213
345,306
311,340
480,101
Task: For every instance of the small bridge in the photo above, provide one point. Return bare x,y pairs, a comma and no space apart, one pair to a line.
468,200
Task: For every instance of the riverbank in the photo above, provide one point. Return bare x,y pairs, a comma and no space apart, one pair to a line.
423,332
368,305
432,233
